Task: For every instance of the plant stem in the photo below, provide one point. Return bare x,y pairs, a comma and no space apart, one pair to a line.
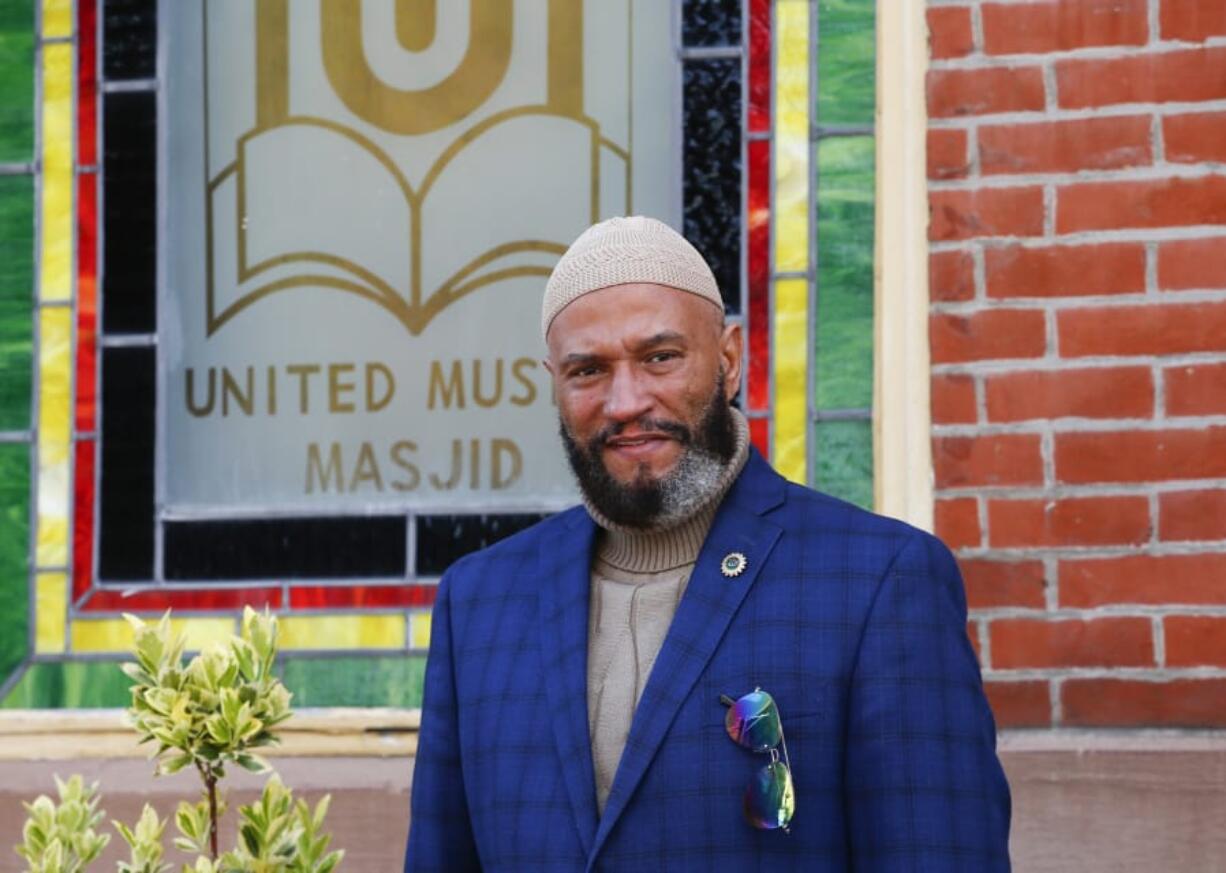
210,783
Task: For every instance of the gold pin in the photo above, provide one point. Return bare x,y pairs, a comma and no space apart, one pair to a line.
733,565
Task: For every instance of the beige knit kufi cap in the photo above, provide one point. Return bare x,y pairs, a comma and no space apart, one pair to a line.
618,251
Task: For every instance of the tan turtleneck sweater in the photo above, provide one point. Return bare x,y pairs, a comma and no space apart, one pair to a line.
638,577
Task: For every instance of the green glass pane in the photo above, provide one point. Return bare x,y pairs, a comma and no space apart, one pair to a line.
846,61
844,354
845,460
70,685
14,549
355,681
16,295
16,80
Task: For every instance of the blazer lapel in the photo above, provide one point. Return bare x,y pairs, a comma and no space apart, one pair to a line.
564,568
708,605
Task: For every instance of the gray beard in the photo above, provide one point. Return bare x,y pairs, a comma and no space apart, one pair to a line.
693,482
708,449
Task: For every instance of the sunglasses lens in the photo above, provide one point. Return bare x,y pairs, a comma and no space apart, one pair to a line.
769,799
753,722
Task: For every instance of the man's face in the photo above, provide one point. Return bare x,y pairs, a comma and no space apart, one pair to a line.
642,375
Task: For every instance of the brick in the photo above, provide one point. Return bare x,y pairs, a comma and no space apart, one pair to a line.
1195,640
1192,264
947,157
1171,202
995,333
1192,20
949,32
1142,330
1065,146
953,399
1073,521
1097,392
957,522
1141,456
1062,25
992,584
1100,642
1189,75
1065,271
965,214
1197,389
1008,459
1143,579
951,276
1192,515
1019,704
1188,703
954,93
1196,137
972,634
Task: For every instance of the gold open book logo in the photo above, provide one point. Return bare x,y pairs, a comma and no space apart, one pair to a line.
409,152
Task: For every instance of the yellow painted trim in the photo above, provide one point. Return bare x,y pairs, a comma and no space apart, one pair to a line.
55,219
57,18
791,201
419,630
50,610
54,434
790,359
902,455
340,632
114,635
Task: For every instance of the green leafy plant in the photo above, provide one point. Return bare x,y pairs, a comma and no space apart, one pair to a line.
217,709
145,841
61,838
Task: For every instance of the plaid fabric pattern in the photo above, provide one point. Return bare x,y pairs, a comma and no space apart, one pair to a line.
853,622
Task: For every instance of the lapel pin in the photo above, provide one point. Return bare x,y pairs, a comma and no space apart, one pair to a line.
733,565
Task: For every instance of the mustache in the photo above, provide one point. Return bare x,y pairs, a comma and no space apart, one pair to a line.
648,425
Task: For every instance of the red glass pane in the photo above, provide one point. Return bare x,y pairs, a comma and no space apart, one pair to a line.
87,301
759,65
759,274
217,599
87,83
331,597
760,435
83,519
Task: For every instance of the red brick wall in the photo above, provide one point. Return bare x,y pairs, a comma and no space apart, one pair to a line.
1077,166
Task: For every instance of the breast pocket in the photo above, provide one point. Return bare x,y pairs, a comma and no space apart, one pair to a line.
803,701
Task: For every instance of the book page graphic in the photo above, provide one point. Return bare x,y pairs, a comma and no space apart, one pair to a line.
331,176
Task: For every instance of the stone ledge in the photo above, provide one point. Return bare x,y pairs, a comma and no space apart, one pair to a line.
51,735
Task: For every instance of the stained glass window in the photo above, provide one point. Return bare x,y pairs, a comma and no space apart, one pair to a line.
774,186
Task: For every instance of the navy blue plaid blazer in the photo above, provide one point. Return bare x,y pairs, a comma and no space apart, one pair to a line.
855,623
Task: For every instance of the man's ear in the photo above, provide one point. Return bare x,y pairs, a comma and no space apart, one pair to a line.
731,355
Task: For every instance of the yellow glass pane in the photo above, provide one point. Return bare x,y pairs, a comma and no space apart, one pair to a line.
790,358
57,18
50,608
54,434
55,261
115,634
419,630
334,632
791,201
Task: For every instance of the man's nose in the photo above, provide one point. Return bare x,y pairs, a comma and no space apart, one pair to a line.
627,399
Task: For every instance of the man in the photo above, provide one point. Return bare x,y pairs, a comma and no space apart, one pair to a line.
581,673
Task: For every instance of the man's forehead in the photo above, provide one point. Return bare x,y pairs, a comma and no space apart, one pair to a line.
638,305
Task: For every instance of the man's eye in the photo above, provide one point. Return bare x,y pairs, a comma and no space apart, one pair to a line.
661,357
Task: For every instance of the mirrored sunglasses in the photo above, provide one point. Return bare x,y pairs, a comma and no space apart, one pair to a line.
753,723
